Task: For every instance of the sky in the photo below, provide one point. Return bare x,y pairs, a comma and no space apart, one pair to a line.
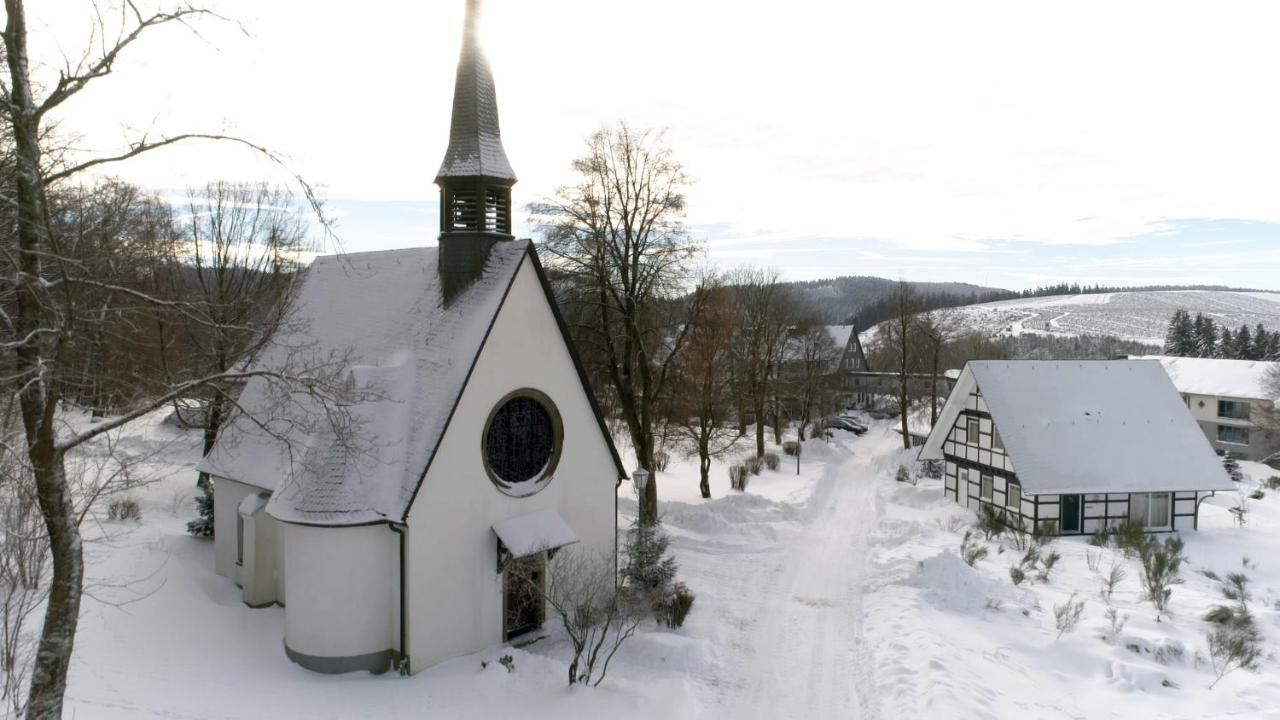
1007,144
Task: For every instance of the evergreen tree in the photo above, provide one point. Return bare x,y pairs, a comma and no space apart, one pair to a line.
1232,466
1206,336
647,569
1261,341
1226,346
203,525
1273,347
1180,338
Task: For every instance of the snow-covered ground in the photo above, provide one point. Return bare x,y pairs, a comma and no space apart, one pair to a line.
837,593
1140,316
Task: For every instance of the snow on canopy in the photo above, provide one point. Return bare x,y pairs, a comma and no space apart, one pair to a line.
404,353
534,532
1211,376
1088,426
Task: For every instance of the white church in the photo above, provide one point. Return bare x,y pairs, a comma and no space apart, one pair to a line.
473,444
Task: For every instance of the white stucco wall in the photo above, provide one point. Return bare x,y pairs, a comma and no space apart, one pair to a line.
455,593
227,495
343,583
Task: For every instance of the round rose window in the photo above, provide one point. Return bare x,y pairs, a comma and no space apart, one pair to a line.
521,442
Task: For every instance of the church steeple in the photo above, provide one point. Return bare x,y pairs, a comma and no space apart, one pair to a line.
475,178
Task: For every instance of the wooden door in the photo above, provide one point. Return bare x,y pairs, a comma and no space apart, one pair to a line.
523,582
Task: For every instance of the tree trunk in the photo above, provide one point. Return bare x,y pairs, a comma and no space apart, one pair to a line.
704,467
904,406
643,442
759,411
212,424
933,391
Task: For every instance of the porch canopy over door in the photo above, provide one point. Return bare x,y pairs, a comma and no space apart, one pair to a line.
530,533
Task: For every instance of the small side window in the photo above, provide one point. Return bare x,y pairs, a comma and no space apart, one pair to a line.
988,487
972,432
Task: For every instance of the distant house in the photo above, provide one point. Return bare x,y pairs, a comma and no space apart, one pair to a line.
1228,399
1083,445
391,521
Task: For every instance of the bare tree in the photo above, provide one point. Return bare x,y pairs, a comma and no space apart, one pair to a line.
616,239
763,319
899,336
813,382
243,244
701,405
936,328
46,314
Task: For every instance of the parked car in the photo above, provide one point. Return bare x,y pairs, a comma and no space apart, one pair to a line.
842,424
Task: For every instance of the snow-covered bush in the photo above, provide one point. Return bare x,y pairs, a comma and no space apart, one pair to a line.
1047,564
753,463
932,469
661,458
1273,482
1234,645
903,475
648,570
737,477
124,508
203,525
1067,615
1017,575
1257,495
1101,538
990,521
970,550
1131,537
1232,466
1093,558
790,448
1161,569
1115,625
674,605
771,461
1112,579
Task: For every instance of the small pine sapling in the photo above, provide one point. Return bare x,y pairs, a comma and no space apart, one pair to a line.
1232,466
202,526
1234,645
1273,482
1093,558
1101,538
1047,564
970,551
1017,575
647,569
1115,624
1067,615
1257,495
1130,537
991,522
1161,570
1112,579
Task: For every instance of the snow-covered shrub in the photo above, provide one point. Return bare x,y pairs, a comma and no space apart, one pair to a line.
990,521
1047,564
1161,569
1101,538
1112,579
1115,624
203,525
124,508
970,551
1257,495
753,463
674,605
1232,466
1093,558
1233,646
1067,615
904,475
1017,575
1131,536
1273,482
933,469
737,477
508,662
790,448
771,461
661,458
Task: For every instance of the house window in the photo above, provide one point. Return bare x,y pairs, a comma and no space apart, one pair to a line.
997,443
988,486
1150,509
1233,409
1233,435
521,442
972,432
1015,495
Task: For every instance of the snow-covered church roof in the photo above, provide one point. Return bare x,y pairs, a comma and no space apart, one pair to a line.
1212,376
376,323
1088,426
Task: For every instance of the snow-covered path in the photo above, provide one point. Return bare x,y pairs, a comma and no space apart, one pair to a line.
799,607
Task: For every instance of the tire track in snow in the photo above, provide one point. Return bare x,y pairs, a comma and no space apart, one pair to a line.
805,654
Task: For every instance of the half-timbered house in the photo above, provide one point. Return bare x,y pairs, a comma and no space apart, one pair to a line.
1080,445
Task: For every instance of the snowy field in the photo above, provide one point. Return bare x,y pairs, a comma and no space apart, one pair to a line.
1139,316
837,593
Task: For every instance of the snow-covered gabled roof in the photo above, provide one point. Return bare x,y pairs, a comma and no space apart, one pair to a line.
378,322
840,335
1088,426
1210,376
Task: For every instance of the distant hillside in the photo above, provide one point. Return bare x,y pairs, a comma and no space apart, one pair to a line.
841,300
1139,316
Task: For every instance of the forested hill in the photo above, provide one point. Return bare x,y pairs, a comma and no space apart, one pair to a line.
841,299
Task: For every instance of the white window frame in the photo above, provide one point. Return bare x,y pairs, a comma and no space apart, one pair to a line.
1012,490
987,487
971,431
1140,509
1238,428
